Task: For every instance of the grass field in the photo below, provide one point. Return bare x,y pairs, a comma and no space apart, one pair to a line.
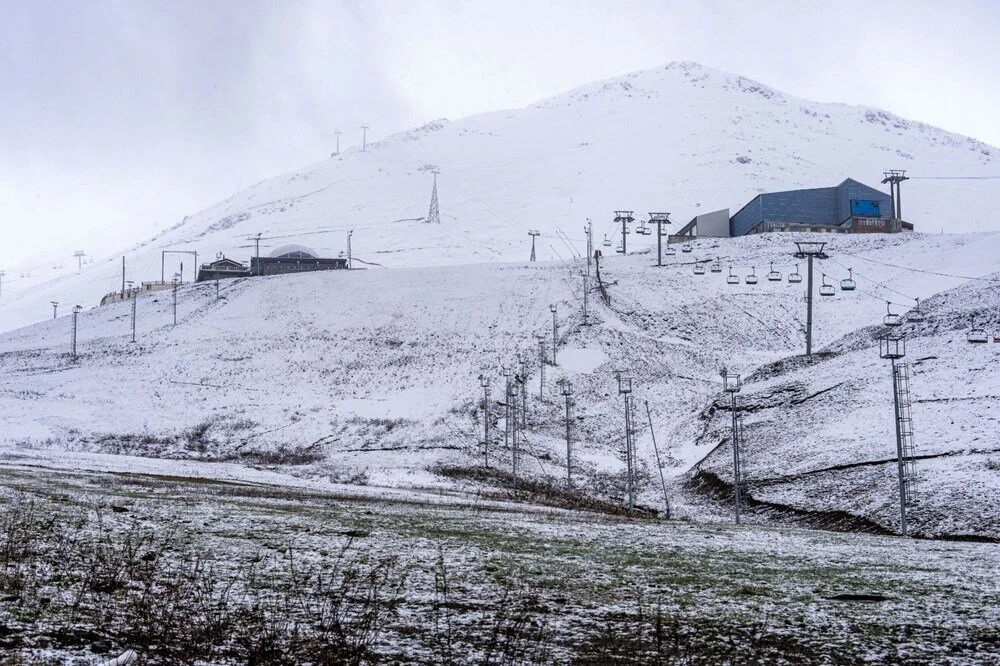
197,571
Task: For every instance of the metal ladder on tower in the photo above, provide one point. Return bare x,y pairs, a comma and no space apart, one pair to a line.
906,433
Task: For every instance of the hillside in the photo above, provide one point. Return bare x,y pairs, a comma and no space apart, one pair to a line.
802,452
681,138
371,376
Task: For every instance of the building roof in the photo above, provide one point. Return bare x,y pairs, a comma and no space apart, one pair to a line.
292,250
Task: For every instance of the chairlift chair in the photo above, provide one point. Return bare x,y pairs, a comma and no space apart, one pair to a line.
849,284
716,267
686,248
699,268
773,276
796,276
891,319
606,242
977,336
643,230
826,289
916,315
752,278
670,251
733,277
619,249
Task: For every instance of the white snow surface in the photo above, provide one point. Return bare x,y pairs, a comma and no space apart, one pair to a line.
682,138
372,376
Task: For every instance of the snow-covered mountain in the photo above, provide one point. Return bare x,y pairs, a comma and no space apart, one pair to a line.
681,138
372,376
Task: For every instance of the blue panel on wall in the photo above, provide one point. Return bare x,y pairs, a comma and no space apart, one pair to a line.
865,208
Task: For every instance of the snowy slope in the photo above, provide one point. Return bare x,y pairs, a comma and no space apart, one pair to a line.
681,138
371,376
820,436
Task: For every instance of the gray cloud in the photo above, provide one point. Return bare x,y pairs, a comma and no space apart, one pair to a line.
121,110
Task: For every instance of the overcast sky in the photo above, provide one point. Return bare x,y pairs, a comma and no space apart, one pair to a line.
125,110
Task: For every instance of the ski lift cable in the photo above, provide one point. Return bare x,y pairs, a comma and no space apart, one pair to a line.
954,177
874,282
916,270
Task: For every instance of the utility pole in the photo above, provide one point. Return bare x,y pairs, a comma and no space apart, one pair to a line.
256,252
350,261
55,308
810,250
555,333
484,382
534,234
659,463
505,371
541,366
589,230
135,297
586,321
77,309
523,380
364,138
79,254
625,217
217,296
893,347
337,134
625,390
731,384
659,219
512,399
894,177
567,392
123,276
175,298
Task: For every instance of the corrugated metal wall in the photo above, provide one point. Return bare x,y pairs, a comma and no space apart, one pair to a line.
852,189
824,205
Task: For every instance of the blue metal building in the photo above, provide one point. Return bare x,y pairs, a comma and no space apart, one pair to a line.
850,207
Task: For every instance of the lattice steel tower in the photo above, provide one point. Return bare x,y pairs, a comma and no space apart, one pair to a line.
434,215
893,347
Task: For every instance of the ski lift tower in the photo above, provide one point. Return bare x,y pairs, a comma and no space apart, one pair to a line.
894,177
534,233
732,384
810,250
893,347
625,217
659,219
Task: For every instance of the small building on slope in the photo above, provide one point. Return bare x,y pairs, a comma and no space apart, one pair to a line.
294,259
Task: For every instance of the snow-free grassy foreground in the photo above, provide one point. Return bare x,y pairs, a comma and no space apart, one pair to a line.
187,570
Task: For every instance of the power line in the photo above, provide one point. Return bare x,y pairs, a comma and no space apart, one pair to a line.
954,177
916,270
